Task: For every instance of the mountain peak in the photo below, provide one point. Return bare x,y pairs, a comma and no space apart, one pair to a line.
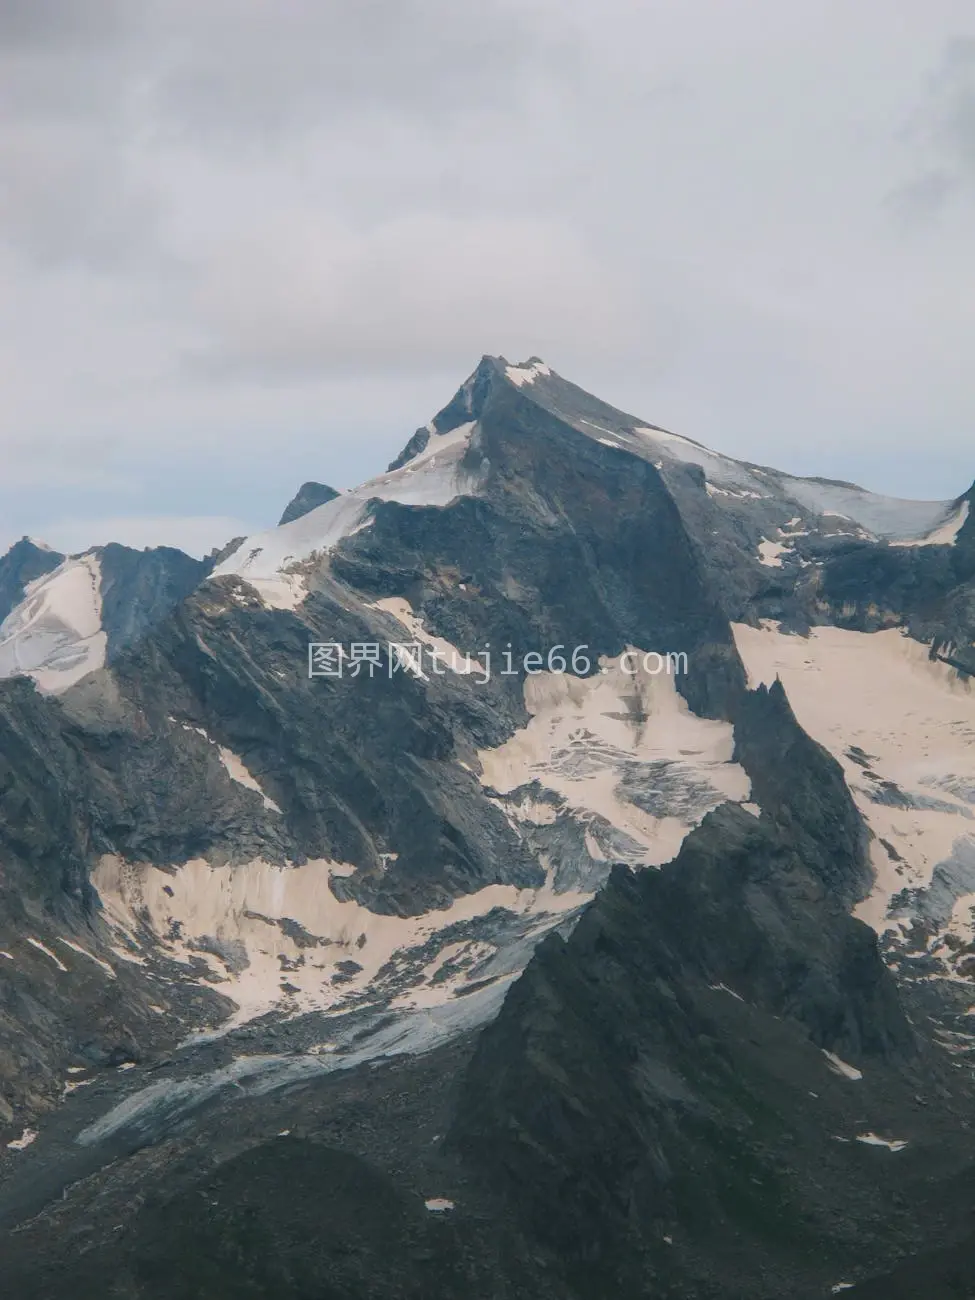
26,561
309,496
37,544
469,400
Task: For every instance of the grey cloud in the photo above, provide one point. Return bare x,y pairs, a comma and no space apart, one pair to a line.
26,24
69,132
917,202
958,122
92,94
305,300
944,130
240,66
67,196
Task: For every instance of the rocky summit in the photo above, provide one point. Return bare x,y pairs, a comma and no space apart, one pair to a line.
545,870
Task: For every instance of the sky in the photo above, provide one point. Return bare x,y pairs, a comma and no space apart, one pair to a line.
245,244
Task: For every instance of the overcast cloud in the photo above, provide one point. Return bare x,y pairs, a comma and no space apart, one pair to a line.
245,244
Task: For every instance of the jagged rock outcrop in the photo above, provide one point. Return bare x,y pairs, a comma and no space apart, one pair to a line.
24,562
633,1090
801,789
309,496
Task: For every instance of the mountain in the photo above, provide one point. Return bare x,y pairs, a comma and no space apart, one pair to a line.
546,869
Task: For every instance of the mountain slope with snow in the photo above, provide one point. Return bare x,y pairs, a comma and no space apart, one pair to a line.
66,622
55,634
736,481
271,561
903,728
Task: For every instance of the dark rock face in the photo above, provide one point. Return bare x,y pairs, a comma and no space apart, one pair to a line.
140,587
944,1274
928,590
24,562
57,1005
309,497
42,791
355,765
413,448
239,1236
220,553
801,790
568,543
615,1104
867,586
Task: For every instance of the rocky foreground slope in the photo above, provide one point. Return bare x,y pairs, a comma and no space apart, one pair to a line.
638,970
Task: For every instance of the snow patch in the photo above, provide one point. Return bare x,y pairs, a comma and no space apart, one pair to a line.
237,771
841,1067
723,988
873,515
232,764
741,494
872,1140
526,374
72,1085
770,553
622,750
720,471
28,1136
286,591
277,936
